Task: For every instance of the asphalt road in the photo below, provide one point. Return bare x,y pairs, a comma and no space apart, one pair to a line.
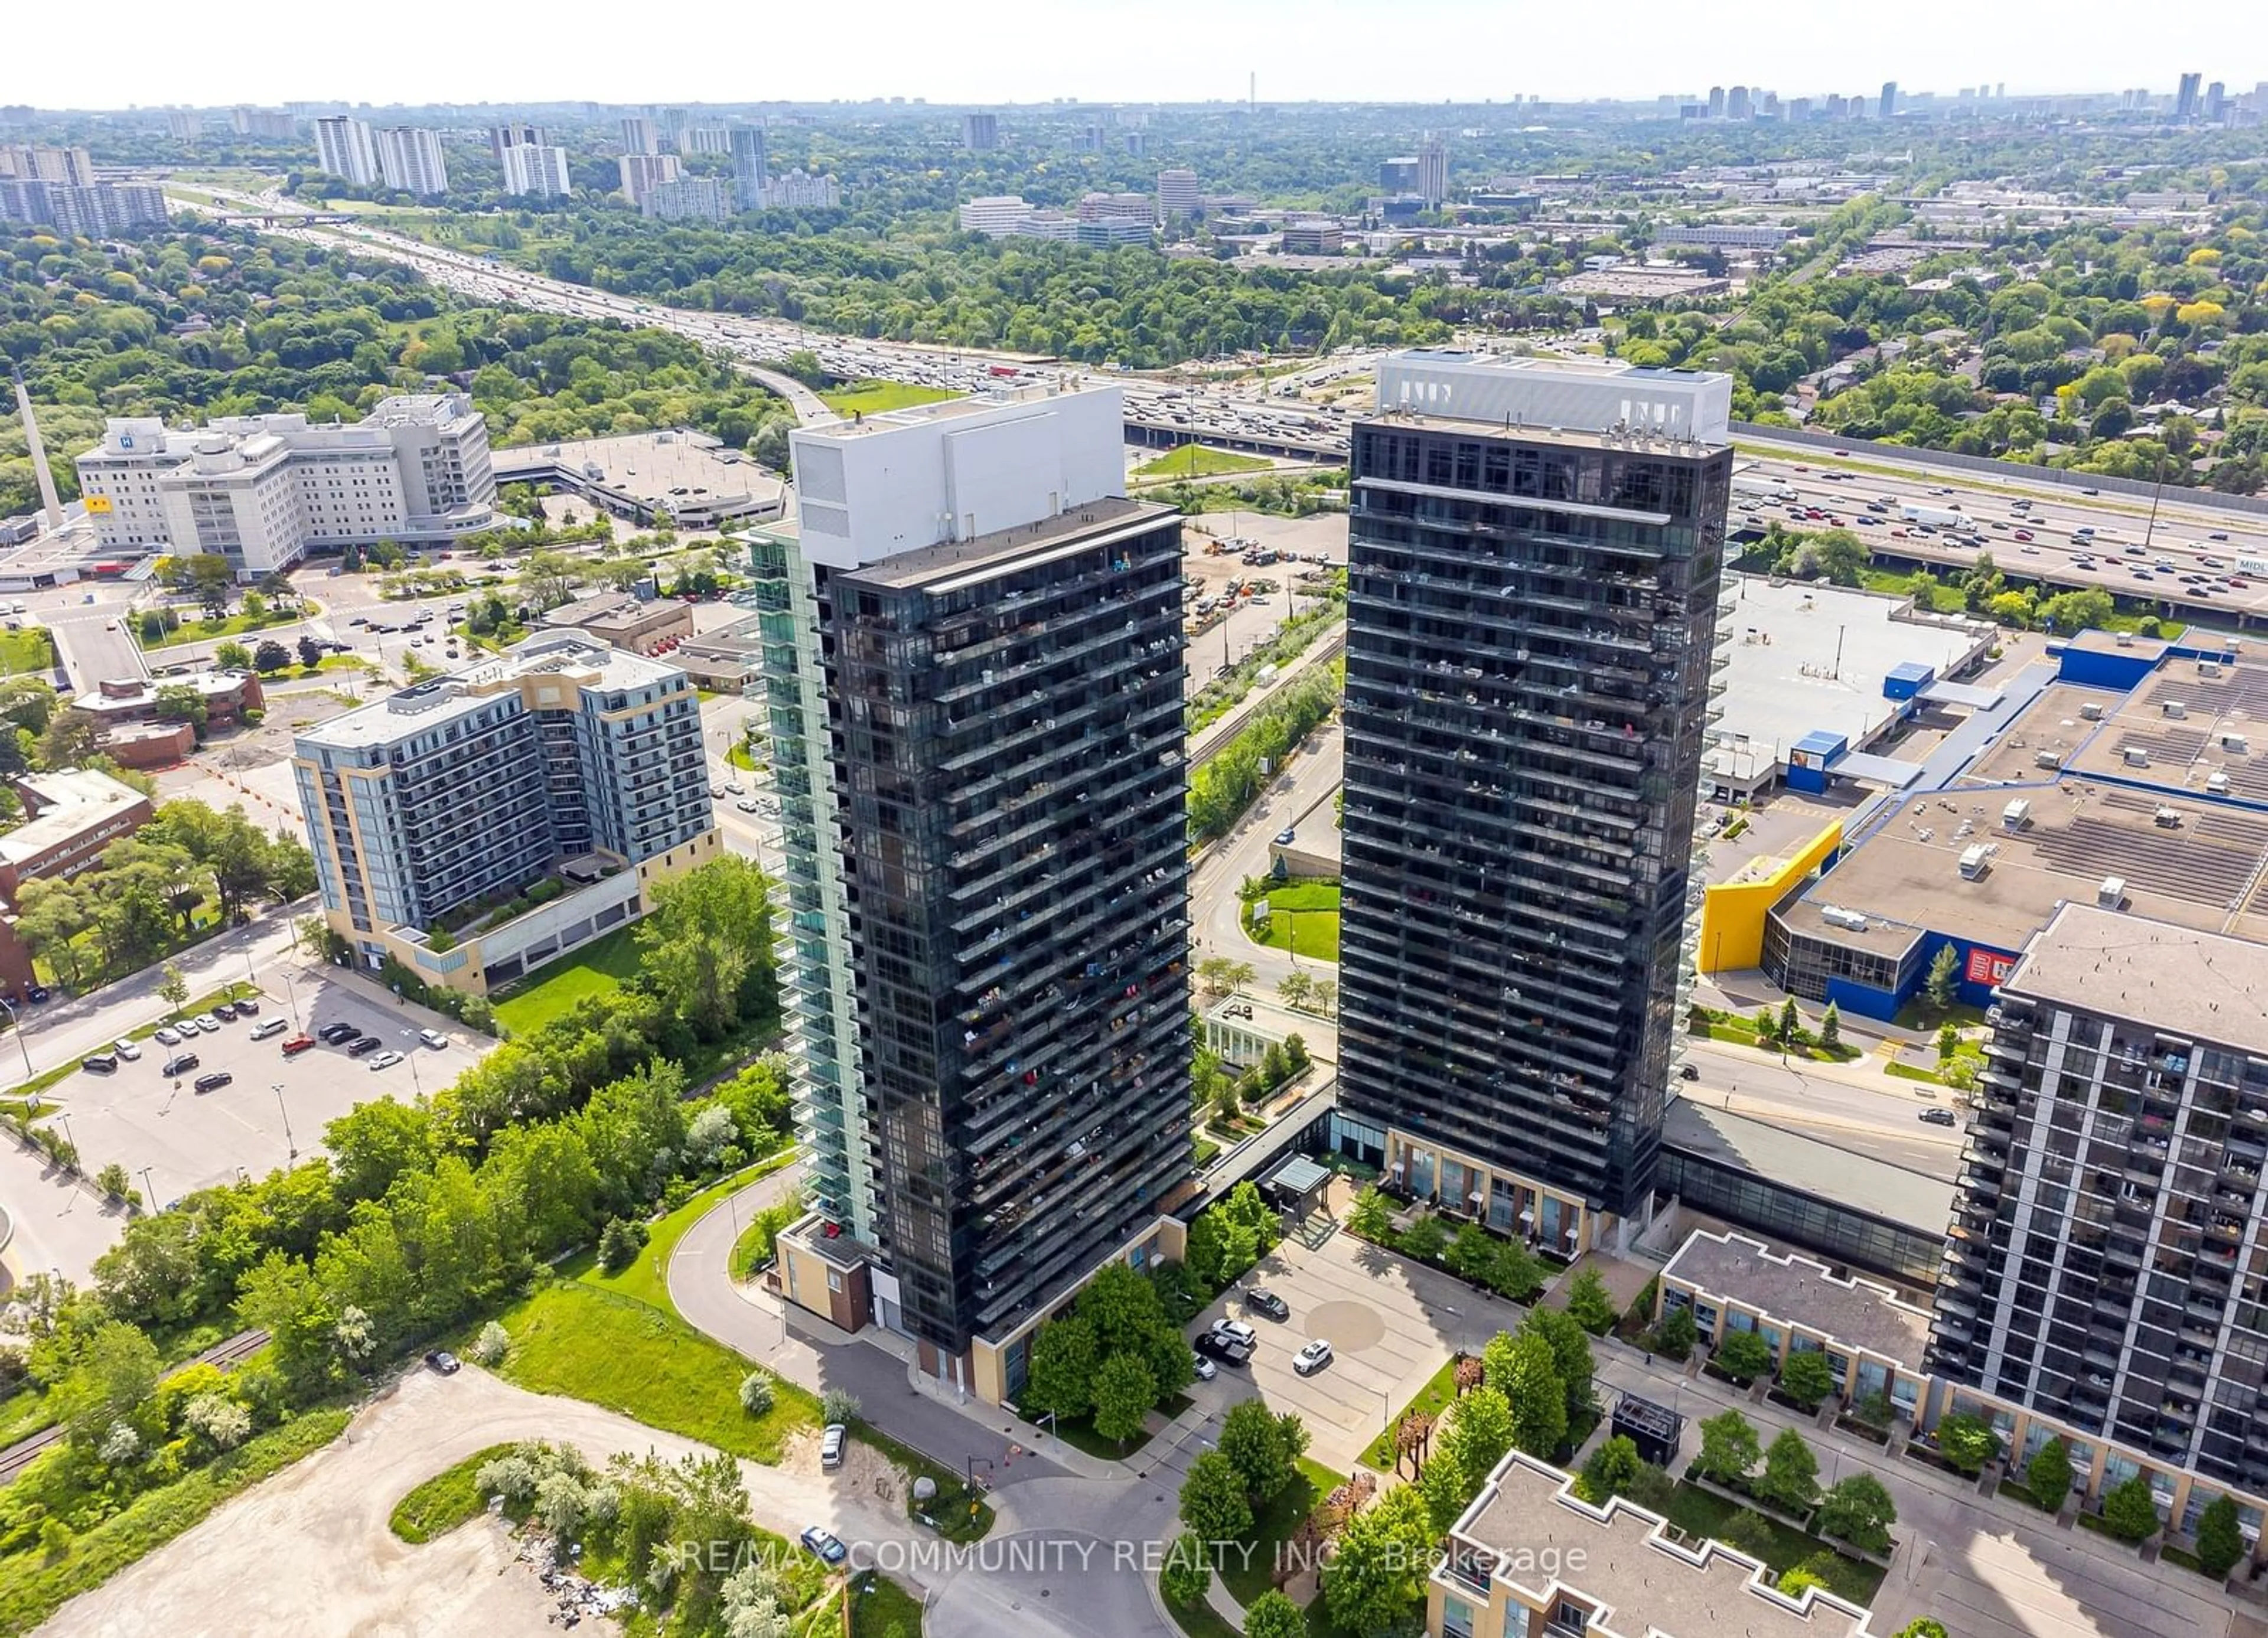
1243,852
1850,1105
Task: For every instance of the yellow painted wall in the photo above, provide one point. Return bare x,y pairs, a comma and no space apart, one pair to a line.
1733,913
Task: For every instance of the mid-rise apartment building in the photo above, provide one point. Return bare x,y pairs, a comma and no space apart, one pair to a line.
705,139
642,172
267,124
410,161
57,187
2109,1265
564,761
972,660
263,490
751,166
800,190
533,167
345,147
1535,554
688,199
1179,194
70,166
980,133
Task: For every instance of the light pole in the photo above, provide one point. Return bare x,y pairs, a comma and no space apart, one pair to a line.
409,1040
17,1024
150,1193
291,998
291,1148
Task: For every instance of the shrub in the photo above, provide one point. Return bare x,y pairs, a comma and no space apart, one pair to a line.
221,1421
2129,1511
489,1348
2219,1542
756,1393
2048,1474
838,1405
620,1243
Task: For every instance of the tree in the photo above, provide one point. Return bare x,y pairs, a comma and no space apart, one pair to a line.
1471,1251
1967,1441
1185,1574
1948,1042
114,1375
1061,1377
113,1180
1588,1305
173,989
2219,1542
1571,1355
1272,1615
1424,1239
1538,1399
211,579
1859,1510
2048,1474
310,652
1807,1378
1729,1448
1923,1627
1791,1021
1614,1467
70,738
1743,1355
549,579
1125,1388
233,656
1378,1575
1677,1333
1224,977
1478,1435
1263,1447
705,949
1748,1532
1831,1027
270,655
1514,1271
1212,1502
179,702
1943,982
1371,1215
1791,1475
2129,1511
1295,987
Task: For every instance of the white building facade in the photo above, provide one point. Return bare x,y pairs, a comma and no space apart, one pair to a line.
537,170
344,148
409,160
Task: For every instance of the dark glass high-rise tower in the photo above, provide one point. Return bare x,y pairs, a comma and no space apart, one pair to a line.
1533,618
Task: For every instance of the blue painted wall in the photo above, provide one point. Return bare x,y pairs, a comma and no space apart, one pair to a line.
2123,669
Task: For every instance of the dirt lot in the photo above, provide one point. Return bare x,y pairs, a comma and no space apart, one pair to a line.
1252,623
309,1553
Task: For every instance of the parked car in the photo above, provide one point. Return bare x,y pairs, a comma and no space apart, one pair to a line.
166,1038
1206,1369
100,1063
433,1039
222,1009
386,1061
180,1063
247,1008
1284,838
1227,1350
442,1362
824,1543
297,1044
273,1026
1312,1358
1235,1331
37,992
207,1021
189,1027
131,1051
357,1047
214,1082
1259,1300
832,1440
332,1034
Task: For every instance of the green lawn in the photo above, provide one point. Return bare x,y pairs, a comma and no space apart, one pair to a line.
872,398
647,1278
28,651
1248,1576
448,1499
1699,1512
599,967
205,630
1432,1398
573,1339
32,1586
1195,461
880,1608
1303,918
196,1004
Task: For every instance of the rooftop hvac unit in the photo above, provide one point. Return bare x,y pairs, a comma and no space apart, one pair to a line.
2174,708
2124,639
2112,894
1975,861
2208,668
2237,743
2049,760
2092,710
1835,915
2217,782
2167,818
2136,757
2013,816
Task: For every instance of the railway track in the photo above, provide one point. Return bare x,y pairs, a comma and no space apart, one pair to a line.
230,1352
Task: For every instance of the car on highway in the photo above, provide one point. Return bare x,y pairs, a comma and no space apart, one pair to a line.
1312,1358
1939,1117
214,1082
826,1544
180,1063
125,1049
2023,534
1260,1300
166,1037
2217,534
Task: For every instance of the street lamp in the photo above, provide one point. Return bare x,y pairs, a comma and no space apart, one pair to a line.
409,1039
291,1148
150,1189
291,998
17,1024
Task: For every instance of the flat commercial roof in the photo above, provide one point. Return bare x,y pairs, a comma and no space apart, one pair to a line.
2178,980
1800,1292
1849,1177
2192,719
1005,546
71,802
413,710
1617,1558
1809,656
650,467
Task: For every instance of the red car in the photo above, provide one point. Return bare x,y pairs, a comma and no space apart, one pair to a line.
2023,534
297,1044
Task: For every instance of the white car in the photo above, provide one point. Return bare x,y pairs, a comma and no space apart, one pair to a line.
746,805
433,1039
128,1050
189,1026
1312,1358
1206,1370
386,1059
167,1038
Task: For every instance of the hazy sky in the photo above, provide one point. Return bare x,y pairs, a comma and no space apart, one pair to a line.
999,51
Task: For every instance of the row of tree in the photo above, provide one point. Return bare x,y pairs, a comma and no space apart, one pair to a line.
1226,783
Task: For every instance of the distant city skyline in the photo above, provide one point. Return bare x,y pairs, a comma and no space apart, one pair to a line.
1463,51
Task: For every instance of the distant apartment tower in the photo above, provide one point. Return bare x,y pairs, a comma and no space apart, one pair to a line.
1716,102
980,133
800,190
1398,176
265,124
531,166
410,161
642,172
56,188
344,148
1736,104
564,761
973,672
639,134
71,166
2216,101
1433,169
2185,99
1178,194
750,167
688,199
705,139
1533,611
2107,1240
184,125
1887,105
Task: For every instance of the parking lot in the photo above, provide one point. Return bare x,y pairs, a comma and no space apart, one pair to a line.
1391,1327
274,1108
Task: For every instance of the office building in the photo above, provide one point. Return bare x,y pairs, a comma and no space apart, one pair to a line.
1533,611
1888,104
1398,175
344,149
972,660
1178,194
642,172
689,199
264,124
1101,206
1716,102
1433,170
980,133
1736,104
750,169
533,167
639,134
564,777
800,190
262,490
1724,235
2104,1267
409,161
994,215
1311,236
56,188
1111,232
2185,99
